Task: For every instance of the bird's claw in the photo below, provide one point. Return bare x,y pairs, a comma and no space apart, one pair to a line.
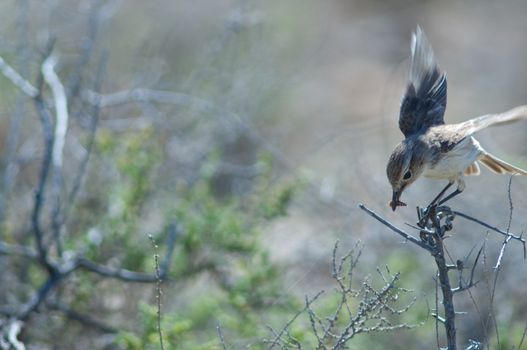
430,221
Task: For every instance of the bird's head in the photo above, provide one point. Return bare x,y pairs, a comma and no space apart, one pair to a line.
404,167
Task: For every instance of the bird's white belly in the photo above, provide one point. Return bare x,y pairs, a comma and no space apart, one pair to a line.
452,163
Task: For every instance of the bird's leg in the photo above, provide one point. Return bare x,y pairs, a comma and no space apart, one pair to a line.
424,213
450,196
460,188
439,196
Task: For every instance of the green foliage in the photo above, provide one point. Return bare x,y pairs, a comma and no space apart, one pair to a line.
510,336
225,273
134,156
277,200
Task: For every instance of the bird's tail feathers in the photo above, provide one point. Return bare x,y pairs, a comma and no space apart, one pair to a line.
472,169
499,166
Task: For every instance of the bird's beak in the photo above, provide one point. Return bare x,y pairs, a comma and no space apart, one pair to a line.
395,199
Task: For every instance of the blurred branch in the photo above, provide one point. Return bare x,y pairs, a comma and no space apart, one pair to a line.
37,298
54,275
141,95
147,95
58,272
10,166
81,318
15,327
523,337
47,130
87,44
220,335
158,292
120,274
95,114
11,74
61,109
59,139
173,232
14,249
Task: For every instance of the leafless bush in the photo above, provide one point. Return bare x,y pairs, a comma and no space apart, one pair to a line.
362,309
433,224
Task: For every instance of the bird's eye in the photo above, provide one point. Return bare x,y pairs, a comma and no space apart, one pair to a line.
407,175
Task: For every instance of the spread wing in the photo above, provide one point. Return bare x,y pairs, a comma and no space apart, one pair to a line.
475,124
424,101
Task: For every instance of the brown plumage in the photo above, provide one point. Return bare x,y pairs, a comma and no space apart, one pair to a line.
431,147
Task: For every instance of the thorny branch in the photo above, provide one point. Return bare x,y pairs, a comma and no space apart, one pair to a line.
400,232
158,291
433,223
366,309
495,229
508,236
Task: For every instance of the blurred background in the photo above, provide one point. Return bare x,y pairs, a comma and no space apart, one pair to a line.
242,135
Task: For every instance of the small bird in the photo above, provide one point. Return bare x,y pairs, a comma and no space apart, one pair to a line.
431,147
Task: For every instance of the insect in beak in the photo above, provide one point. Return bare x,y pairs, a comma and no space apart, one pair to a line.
395,200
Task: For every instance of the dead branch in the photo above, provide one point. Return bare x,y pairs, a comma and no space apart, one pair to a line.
400,232
362,310
495,229
433,223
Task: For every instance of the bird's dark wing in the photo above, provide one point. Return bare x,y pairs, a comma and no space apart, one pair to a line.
424,101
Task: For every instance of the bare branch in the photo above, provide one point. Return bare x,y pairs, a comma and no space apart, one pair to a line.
158,291
21,83
61,108
174,230
220,335
400,232
147,95
471,282
120,274
38,297
61,127
95,114
508,238
47,128
94,21
495,229
278,337
14,249
15,327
